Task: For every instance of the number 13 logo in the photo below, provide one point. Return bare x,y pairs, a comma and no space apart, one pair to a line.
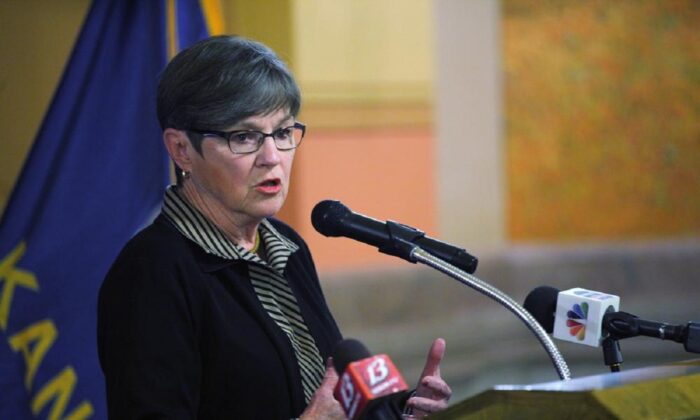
377,371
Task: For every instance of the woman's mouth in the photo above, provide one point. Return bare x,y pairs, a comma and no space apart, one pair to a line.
269,186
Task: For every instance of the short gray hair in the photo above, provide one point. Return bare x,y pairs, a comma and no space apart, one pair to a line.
220,81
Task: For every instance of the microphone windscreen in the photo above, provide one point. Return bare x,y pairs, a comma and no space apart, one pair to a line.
348,351
326,215
542,304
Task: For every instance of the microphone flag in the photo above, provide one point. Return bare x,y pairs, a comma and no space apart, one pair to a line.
365,381
579,315
94,176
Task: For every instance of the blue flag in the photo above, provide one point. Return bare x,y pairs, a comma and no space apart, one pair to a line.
95,175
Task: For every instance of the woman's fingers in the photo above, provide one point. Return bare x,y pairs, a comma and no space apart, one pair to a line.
435,355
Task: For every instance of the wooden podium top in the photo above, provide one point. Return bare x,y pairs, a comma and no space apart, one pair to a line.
668,391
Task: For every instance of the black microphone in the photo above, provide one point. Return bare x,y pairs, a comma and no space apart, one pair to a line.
333,218
542,304
369,387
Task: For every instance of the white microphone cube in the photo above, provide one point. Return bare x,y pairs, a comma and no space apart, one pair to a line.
579,315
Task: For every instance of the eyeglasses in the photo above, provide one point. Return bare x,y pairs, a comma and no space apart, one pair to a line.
250,141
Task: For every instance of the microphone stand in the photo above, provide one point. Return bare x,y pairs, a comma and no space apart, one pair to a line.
622,325
419,255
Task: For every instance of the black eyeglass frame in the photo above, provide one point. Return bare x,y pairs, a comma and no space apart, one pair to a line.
227,135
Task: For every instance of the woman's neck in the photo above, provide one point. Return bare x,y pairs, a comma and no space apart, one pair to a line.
241,232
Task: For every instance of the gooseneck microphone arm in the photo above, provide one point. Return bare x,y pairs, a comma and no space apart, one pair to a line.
482,287
332,218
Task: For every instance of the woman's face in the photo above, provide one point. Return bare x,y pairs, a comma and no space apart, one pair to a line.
248,187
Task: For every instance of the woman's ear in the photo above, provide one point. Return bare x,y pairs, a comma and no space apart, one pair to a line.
179,148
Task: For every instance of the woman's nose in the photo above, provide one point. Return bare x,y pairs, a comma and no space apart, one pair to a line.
268,154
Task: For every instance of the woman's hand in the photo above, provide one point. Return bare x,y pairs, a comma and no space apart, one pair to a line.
432,393
323,404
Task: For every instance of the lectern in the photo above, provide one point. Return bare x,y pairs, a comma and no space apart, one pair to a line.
660,392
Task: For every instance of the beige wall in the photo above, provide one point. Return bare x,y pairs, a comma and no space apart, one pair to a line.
363,50
470,181
37,37
365,70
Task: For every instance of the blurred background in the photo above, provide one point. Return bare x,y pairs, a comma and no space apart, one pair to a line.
559,141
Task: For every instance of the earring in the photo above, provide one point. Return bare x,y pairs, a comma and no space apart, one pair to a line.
184,174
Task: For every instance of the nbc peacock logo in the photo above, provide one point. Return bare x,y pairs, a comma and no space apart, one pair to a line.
577,320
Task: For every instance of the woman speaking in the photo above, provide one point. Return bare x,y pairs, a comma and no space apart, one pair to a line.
215,310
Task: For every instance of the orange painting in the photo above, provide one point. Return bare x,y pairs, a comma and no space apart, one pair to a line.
602,104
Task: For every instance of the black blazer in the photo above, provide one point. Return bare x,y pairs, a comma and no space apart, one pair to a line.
182,335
